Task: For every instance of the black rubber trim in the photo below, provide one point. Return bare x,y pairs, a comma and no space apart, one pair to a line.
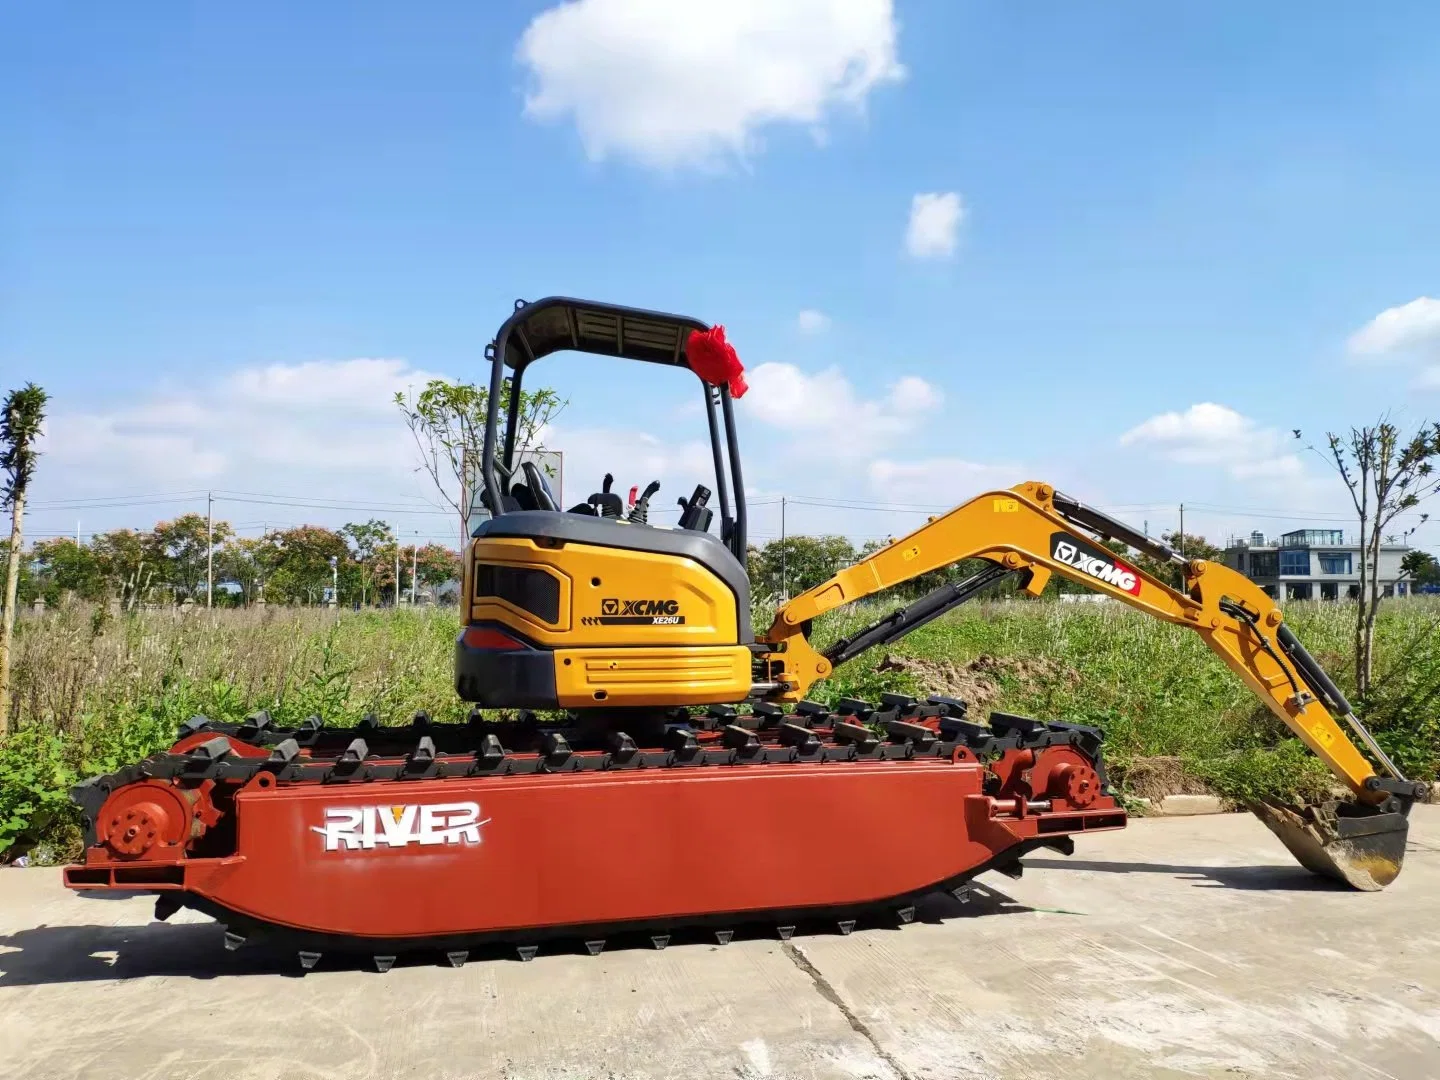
511,679
699,547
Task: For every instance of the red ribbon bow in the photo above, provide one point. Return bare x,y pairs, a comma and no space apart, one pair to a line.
714,360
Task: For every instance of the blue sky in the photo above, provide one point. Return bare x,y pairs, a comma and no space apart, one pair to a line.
229,232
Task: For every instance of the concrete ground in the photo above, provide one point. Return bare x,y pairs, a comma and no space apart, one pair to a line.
1180,947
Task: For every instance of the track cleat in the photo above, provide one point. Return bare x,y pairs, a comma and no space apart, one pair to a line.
659,940
526,953
722,937
846,926
308,960
595,947
457,958
384,963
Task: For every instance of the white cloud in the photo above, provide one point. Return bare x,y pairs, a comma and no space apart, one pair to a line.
934,225
682,83
1211,434
1399,329
1428,379
326,431
811,321
785,396
941,481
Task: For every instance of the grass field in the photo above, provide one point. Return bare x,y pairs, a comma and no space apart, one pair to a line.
95,692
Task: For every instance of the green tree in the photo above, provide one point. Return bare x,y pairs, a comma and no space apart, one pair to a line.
788,567
126,563
63,566
182,547
372,544
21,418
448,421
1386,474
1421,567
244,560
436,564
301,560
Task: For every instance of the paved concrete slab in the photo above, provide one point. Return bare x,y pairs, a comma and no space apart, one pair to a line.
1182,947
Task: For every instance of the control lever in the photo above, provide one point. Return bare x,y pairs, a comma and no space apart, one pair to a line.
606,502
640,508
693,511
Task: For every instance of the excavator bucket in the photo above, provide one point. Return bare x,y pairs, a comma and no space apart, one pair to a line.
1355,844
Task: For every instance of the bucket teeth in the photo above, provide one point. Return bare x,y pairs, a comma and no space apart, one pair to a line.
659,940
308,960
595,947
722,937
526,952
785,932
846,925
458,957
905,914
962,893
384,963
233,941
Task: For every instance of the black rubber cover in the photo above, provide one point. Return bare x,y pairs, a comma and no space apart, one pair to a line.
505,679
700,547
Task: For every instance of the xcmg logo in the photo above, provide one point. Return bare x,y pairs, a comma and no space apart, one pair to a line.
617,612
364,828
1099,564
639,607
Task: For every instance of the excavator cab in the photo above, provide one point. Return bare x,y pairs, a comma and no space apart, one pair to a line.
594,605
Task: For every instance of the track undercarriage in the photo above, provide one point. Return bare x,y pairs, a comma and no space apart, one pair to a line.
445,838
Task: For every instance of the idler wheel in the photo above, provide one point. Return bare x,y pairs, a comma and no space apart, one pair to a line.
141,818
1076,784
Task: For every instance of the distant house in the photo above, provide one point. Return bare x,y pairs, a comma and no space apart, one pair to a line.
1313,564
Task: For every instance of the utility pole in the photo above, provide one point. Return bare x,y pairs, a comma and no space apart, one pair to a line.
77,532
1182,530
397,567
209,547
784,566
414,557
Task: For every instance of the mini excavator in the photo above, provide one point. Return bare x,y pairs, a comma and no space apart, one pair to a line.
606,782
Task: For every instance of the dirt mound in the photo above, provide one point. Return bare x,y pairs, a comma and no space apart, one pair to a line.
978,682
1155,777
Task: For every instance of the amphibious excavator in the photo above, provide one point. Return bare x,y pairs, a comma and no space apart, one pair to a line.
639,759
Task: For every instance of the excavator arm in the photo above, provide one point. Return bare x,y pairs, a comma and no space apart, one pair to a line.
1033,532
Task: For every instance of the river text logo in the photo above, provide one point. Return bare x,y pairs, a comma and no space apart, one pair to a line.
365,828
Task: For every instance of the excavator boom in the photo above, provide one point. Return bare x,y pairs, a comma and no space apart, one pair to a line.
1035,532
